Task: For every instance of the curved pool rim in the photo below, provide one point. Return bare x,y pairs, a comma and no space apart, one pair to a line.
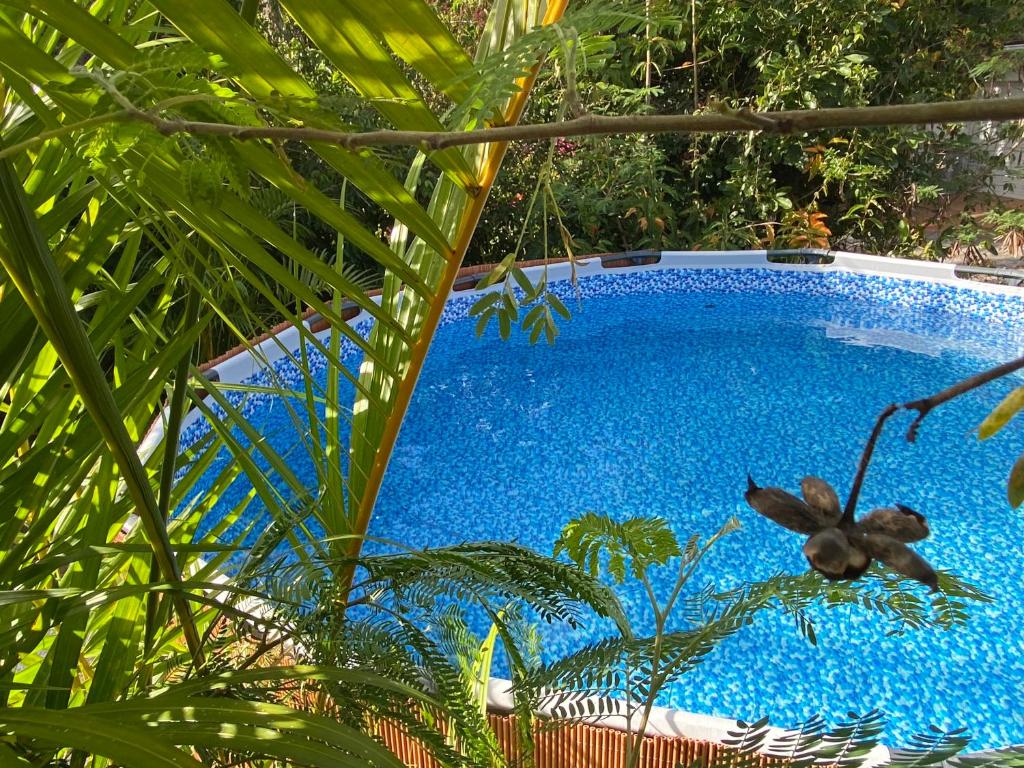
242,364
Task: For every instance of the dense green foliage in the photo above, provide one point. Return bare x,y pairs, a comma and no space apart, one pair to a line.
129,255
885,190
880,190
409,620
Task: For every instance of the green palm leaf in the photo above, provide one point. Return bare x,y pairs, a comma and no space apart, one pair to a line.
95,735
149,731
123,254
367,65
263,74
30,266
375,431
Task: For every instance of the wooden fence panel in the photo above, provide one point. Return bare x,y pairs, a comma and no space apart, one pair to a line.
577,745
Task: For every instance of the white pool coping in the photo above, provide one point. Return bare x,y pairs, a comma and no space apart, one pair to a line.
663,721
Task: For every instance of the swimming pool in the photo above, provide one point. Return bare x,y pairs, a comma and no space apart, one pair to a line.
664,390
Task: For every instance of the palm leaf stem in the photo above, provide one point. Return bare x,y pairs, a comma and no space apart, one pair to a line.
418,353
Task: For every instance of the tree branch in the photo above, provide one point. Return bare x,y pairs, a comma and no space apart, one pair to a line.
725,121
865,460
924,406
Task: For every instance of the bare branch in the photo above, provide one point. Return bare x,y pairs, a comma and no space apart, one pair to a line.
726,120
754,121
865,460
924,406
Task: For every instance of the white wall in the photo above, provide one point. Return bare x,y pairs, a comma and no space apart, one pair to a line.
1011,84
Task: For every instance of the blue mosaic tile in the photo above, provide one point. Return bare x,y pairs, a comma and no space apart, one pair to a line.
660,394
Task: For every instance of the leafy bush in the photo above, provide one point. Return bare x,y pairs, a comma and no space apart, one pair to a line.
879,189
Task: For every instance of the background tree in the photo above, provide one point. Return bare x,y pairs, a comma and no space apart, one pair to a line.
882,190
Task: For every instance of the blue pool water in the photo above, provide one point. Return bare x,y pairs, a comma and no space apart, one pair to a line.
662,393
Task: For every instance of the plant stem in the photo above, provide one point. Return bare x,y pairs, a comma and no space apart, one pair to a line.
635,736
172,433
865,460
923,406
693,46
647,61
364,505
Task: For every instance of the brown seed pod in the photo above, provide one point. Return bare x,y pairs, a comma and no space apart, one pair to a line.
899,522
839,547
832,555
822,497
900,558
786,509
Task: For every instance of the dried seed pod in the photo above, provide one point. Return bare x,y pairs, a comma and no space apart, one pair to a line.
822,497
899,522
839,547
900,558
783,508
832,555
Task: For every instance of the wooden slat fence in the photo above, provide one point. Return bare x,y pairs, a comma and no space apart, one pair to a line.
579,745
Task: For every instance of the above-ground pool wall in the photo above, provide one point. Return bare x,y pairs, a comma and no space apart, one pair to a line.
242,366
664,722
